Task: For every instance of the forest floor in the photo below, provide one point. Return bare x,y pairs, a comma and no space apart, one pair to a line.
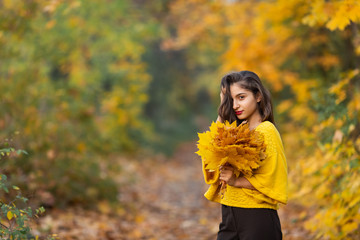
160,199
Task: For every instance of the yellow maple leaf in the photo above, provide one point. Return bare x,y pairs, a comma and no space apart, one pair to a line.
9,215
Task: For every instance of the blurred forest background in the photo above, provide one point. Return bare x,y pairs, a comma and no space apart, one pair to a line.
89,88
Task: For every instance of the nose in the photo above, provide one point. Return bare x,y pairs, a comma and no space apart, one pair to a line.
235,104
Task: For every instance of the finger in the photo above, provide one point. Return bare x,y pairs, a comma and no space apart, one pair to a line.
225,166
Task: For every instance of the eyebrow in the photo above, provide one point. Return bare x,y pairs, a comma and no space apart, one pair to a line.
239,94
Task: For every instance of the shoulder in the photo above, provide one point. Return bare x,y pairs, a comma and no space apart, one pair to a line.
267,128
271,135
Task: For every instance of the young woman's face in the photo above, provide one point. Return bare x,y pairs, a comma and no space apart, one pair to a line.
244,102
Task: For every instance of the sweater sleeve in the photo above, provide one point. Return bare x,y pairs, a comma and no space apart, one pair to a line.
271,177
211,177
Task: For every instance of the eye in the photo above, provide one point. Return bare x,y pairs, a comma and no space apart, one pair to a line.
241,97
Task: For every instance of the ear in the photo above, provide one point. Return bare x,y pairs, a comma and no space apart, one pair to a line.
258,97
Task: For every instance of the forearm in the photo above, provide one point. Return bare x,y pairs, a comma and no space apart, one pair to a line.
242,182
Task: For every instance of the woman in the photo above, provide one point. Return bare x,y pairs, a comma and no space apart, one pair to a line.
249,205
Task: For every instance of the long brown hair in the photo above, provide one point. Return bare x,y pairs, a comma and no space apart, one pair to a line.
250,81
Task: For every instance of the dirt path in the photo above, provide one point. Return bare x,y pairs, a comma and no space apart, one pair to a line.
164,200
171,199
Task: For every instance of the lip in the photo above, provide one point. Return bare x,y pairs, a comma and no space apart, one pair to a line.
238,112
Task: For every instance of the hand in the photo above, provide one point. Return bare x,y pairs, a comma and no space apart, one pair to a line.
227,174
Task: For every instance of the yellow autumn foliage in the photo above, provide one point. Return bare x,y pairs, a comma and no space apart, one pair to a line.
227,143
334,182
333,14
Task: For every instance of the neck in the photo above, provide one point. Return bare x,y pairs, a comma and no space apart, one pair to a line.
254,120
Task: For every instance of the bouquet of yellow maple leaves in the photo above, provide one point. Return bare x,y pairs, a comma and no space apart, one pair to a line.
225,144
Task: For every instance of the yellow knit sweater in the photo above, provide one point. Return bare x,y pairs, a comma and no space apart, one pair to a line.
270,179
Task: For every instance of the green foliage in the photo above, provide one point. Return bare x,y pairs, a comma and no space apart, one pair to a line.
74,84
172,106
8,151
15,214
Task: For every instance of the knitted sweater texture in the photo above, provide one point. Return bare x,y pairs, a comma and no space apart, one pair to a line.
269,180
